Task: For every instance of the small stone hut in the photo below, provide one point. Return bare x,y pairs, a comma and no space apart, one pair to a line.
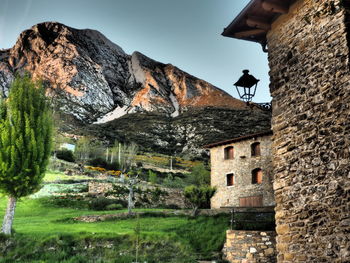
241,170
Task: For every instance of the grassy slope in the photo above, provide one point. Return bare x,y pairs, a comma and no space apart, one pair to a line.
52,176
33,218
37,226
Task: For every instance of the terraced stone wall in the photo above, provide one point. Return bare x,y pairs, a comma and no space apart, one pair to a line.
250,246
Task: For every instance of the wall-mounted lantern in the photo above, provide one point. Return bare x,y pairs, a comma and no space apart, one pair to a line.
245,84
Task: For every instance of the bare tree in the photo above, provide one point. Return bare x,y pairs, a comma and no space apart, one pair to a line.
127,155
115,151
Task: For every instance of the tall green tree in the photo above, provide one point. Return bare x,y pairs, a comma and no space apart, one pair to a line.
25,142
199,175
198,196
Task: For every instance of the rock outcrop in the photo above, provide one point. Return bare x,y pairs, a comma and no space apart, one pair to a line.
93,81
92,77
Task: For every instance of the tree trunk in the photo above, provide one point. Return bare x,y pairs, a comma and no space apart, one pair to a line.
130,202
194,211
9,215
119,153
112,156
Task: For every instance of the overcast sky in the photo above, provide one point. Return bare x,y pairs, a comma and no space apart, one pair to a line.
185,33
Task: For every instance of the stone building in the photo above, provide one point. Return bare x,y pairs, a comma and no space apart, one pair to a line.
241,171
308,50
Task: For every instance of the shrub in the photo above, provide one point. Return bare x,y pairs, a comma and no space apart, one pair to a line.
103,203
152,177
171,206
3,237
100,203
198,196
174,182
156,194
76,188
66,155
70,201
119,191
205,235
114,172
112,166
199,175
97,162
114,207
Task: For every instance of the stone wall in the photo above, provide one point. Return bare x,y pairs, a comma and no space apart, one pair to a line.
99,188
173,198
250,246
241,166
310,86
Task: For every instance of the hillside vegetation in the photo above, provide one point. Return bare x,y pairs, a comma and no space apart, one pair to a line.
48,233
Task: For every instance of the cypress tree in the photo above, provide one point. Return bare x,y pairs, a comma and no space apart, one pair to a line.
25,142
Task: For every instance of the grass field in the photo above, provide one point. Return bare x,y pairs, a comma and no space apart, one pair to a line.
51,233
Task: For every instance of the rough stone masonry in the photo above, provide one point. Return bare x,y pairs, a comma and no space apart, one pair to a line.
250,246
310,85
241,166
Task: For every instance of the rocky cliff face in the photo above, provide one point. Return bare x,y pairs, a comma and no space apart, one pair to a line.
94,81
91,76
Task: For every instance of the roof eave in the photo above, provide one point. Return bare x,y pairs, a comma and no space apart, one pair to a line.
241,138
237,18
254,21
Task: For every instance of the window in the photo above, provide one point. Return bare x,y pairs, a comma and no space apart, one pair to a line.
228,153
257,176
230,179
256,149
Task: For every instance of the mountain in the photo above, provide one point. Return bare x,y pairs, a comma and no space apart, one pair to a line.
96,84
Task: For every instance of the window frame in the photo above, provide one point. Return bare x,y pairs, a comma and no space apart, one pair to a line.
255,149
255,176
230,179
229,153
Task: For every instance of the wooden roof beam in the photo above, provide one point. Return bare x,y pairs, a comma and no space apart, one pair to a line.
257,22
274,7
249,33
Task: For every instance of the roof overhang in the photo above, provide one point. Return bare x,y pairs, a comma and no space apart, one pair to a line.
255,20
237,139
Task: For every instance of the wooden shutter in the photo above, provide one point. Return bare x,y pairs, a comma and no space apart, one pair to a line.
256,149
257,176
229,153
251,201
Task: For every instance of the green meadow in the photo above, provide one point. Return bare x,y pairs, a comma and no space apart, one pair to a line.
47,233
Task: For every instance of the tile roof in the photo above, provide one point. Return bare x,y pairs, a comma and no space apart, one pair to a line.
236,139
255,19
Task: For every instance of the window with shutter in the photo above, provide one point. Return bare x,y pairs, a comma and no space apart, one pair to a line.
255,149
257,176
229,153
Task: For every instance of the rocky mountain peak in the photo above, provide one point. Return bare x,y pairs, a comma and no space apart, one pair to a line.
112,95
91,76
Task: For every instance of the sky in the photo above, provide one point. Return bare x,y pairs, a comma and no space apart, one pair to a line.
185,33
